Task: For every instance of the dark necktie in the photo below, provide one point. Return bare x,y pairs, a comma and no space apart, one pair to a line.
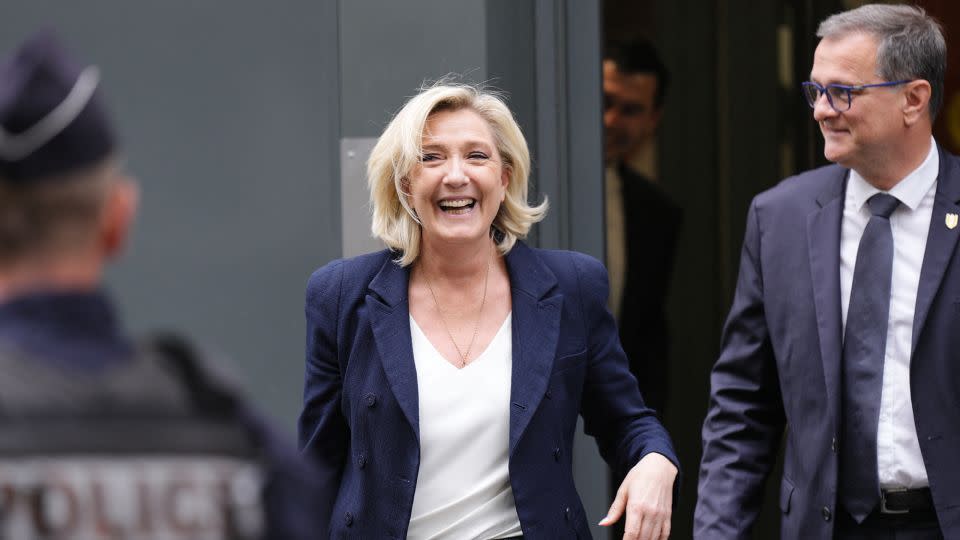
864,343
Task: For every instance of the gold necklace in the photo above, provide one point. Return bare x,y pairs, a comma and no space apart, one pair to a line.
476,324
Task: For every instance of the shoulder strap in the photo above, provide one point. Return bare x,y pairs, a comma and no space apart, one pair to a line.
31,387
208,391
165,399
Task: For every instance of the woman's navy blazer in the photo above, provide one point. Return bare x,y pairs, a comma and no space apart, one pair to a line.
360,420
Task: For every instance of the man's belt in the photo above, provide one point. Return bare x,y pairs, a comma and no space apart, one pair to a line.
903,501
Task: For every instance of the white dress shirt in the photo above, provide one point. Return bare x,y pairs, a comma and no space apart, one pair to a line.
644,163
616,237
463,485
899,462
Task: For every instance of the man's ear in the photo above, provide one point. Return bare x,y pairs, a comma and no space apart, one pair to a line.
916,103
119,210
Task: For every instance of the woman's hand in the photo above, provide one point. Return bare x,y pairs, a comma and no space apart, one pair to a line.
647,495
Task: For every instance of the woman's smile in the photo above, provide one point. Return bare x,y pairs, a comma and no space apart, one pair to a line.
457,207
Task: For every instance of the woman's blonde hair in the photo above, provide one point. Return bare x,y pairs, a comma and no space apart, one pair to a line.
398,151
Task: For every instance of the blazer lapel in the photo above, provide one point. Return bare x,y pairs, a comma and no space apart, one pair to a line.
390,319
823,244
537,305
941,241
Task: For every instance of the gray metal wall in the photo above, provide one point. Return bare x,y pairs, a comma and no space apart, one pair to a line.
226,119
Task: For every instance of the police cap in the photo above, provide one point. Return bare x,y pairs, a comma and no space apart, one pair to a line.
51,121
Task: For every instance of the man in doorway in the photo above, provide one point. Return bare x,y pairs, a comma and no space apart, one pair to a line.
843,330
642,222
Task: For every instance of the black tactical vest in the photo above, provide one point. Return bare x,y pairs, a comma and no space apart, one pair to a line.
155,449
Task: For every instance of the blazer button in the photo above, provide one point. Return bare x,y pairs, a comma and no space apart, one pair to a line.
371,400
833,445
556,453
362,461
566,513
826,513
348,519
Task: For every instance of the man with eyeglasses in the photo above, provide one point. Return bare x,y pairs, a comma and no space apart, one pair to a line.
844,335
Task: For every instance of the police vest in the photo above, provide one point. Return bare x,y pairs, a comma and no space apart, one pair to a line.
155,449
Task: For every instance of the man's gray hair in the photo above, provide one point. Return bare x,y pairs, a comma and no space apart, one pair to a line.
911,43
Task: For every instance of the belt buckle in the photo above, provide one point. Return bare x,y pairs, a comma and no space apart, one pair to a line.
883,501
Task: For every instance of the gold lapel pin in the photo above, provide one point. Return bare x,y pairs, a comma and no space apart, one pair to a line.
951,221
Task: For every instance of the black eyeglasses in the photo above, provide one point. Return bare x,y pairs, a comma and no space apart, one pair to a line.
839,96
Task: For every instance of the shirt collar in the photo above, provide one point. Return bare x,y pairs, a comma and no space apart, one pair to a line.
909,191
79,326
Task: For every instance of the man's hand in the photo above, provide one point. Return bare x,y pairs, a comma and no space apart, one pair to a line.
647,495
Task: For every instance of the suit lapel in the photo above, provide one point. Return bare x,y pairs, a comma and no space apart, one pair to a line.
537,306
823,245
390,320
941,242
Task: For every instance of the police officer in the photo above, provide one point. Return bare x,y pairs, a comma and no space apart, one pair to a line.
103,437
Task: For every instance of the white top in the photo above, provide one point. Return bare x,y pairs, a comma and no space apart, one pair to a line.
463,485
899,461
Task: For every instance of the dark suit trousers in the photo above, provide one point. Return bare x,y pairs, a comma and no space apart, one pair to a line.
887,527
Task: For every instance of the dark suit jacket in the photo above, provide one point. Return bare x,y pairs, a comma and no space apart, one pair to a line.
360,416
652,223
781,356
